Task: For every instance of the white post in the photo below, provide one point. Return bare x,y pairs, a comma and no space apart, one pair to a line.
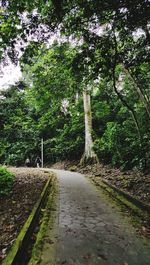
42,152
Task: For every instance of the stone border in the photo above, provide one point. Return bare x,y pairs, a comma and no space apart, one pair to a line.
43,251
21,241
138,203
138,208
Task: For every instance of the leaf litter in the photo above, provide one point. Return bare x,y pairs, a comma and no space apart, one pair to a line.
16,207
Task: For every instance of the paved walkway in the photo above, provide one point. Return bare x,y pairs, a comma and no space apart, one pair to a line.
91,230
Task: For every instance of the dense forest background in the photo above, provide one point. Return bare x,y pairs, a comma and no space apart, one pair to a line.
104,49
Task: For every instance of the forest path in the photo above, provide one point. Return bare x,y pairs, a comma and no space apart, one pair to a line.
91,229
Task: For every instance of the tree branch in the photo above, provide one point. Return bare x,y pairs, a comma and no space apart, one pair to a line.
119,94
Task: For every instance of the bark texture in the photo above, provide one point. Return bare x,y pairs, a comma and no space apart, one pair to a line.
89,155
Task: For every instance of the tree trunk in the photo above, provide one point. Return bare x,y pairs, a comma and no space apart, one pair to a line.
89,155
142,96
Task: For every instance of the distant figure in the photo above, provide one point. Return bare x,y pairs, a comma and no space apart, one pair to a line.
38,161
27,162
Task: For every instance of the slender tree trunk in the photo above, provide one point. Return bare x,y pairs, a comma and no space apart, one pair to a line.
89,155
120,96
142,96
146,30
130,109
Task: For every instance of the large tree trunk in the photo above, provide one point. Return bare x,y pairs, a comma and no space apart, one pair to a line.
89,155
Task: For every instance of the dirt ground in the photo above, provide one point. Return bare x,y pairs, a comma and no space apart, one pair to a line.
16,207
133,182
29,182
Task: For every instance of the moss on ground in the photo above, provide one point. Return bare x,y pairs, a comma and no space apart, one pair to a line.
46,223
137,216
27,230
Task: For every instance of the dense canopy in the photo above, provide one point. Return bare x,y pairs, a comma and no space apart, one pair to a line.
102,49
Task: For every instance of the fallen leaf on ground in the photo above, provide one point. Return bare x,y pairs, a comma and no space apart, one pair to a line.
102,256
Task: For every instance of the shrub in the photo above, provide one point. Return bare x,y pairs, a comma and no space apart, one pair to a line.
6,181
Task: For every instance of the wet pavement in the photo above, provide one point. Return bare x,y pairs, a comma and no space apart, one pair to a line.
91,229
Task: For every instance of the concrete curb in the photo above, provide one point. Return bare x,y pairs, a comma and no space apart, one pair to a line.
138,208
44,246
21,241
138,203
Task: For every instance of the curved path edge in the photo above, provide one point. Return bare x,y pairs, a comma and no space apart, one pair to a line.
91,230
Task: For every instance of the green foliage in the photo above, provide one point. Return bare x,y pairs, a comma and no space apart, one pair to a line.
118,146
58,74
6,181
19,136
68,142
